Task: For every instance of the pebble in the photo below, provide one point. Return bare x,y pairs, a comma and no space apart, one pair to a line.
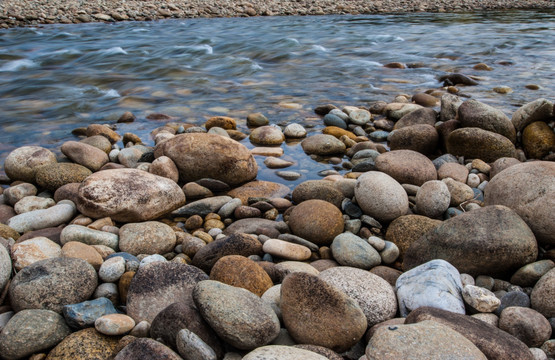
114,324
88,236
267,151
282,352
288,175
322,144
294,131
480,299
317,221
23,162
381,196
149,237
513,298
112,269
242,272
286,250
56,215
351,250
542,297
30,203
275,163
18,192
529,274
433,199
390,253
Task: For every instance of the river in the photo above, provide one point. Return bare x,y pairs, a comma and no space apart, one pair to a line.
58,77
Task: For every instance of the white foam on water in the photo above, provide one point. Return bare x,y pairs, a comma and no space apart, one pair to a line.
17,65
207,48
111,93
370,63
114,51
293,40
140,30
66,51
320,48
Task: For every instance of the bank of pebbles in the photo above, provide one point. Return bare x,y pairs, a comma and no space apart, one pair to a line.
441,230
34,12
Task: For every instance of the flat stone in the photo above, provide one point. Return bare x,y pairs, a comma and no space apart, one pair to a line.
78,250
84,314
267,135
30,203
493,342
374,295
318,189
52,283
202,207
88,236
273,162
424,340
32,331
528,275
273,152
468,241
238,316
257,226
86,344
149,237
315,312
56,215
159,284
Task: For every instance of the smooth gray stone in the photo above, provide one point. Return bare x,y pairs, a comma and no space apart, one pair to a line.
435,283
203,207
88,236
58,214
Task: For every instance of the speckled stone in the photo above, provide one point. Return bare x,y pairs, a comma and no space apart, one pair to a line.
525,324
88,236
159,284
407,166
32,331
480,299
529,274
315,312
425,340
493,342
149,237
543,295
286,250
52,283
239,271
468,240
192,347
23,162
238,316
30,251
374,295
86,344
53,176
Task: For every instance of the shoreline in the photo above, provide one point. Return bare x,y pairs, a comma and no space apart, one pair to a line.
17,13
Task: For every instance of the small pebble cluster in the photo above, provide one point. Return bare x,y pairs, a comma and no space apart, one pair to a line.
34,12
434,223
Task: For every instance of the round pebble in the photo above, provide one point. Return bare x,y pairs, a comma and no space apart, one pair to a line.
114,324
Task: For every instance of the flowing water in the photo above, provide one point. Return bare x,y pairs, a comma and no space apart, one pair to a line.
59,77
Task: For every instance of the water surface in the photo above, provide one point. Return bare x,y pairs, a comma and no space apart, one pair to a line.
59,77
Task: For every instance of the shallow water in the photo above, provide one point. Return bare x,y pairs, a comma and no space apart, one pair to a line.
59,77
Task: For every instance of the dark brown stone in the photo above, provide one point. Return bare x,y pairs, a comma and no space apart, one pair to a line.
86,344
317,221
239,271
146,348
406,229
235,244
